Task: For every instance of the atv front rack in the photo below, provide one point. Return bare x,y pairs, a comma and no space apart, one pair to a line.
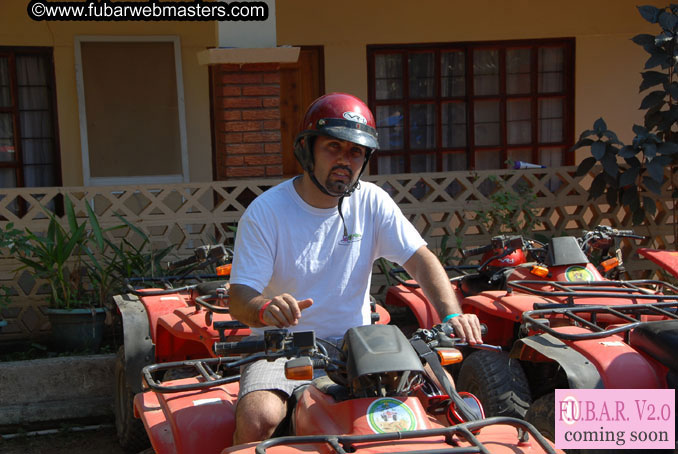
204,368
537,319
343,444
636,289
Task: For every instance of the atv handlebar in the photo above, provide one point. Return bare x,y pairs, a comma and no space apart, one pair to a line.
476,250
279,342
607,232
239,348
442,335
203,255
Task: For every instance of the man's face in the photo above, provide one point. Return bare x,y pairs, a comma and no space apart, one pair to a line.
337,162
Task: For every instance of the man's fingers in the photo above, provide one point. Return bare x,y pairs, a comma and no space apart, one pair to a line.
274,316
283,309
304,304
472,328
467,328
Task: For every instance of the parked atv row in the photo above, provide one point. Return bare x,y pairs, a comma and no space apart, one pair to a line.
560,321
376,396
185,341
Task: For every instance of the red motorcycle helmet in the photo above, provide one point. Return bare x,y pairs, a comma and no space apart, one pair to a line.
338,115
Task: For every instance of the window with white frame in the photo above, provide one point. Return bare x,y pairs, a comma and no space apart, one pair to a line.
132,117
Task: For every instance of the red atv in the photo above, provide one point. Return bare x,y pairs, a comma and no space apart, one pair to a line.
376,398
632,346
518,275
169,324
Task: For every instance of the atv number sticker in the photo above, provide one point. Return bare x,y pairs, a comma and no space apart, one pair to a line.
578,274
390,415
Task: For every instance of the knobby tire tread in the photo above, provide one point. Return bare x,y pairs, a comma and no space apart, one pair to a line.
541,415
131,431
498,381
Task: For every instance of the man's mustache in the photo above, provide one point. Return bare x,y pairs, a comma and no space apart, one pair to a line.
346,168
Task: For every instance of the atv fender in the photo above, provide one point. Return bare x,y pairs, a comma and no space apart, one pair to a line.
667,260
413,299
136,333
581,373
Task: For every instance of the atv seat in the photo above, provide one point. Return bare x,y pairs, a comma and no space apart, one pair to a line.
327,386
659,340
565,251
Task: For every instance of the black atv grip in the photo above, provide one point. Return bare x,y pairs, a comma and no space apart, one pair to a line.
246,346
183,262
476,251
629,234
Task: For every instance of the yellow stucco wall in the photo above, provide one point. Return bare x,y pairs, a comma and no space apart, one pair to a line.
606,69
607,66
17,29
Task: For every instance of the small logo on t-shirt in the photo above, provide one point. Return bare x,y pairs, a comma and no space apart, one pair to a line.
350,238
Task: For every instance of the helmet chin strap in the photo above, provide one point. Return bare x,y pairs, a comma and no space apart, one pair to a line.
341,196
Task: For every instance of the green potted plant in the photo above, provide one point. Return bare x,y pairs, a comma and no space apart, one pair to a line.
64,259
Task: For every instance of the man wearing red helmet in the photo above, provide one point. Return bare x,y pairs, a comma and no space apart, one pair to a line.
305,249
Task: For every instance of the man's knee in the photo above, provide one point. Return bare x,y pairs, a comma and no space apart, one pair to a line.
258,414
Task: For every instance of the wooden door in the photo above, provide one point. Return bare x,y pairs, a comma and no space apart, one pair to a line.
300,84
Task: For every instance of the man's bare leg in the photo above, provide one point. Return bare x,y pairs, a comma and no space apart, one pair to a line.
257,415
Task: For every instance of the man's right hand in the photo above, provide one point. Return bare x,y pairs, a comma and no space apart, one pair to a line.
284,311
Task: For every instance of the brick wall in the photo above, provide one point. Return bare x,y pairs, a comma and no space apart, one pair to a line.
246,116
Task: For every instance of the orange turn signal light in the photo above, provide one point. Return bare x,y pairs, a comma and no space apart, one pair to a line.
609,263
449,356
299,369
224,270
540,270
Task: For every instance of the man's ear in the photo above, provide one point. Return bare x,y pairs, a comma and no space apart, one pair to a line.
311,144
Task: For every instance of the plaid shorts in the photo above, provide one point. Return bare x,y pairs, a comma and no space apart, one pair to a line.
270,376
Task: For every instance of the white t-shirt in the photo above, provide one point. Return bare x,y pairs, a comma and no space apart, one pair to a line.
284,245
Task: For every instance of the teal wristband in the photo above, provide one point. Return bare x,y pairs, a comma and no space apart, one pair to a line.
449,317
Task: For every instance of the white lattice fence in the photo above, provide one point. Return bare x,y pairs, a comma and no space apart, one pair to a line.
439,204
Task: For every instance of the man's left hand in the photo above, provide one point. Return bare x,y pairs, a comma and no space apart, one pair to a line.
467,328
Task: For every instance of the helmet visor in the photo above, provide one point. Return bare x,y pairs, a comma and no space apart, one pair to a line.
350,131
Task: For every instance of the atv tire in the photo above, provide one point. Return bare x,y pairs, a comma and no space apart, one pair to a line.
498,381
542,414
131,432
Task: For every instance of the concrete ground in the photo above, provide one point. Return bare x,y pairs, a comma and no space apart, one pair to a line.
100,441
